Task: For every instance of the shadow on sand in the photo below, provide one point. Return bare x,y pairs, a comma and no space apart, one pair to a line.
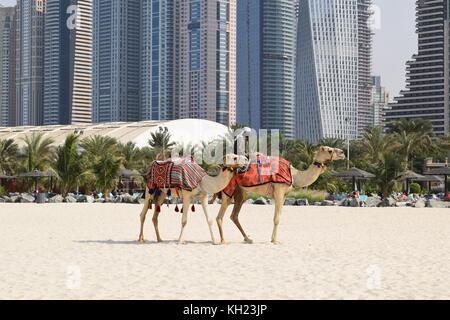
135,242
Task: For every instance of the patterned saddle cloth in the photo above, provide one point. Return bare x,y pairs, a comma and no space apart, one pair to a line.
175,173
264,170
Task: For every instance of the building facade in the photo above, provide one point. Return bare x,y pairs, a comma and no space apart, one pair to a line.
159,59
333,69
29,64
68,45
266,43
427,93
379,101
207,63
117,51
6,34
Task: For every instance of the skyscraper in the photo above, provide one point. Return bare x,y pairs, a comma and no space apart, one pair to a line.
117,60
29,64
427,94
207,60
6,33
379,101
333,68
68,62
266,64
159,59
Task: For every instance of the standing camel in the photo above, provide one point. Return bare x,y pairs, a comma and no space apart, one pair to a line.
208,185
277,191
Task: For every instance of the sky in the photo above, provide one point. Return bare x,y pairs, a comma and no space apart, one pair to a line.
395,41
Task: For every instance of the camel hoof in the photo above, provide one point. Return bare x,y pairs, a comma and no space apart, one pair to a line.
277,243
249,241
141,241
160,241
222,243
180,243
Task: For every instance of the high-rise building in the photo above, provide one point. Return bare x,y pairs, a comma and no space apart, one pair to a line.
159,60
379,101
6,33
68,62
56,63
29,65
365,36
117,52
266,45
333,69
427,94
207,60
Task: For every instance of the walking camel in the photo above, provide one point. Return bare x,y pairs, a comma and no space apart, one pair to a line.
208,185
277,191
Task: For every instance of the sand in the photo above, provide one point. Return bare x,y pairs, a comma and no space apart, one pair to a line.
89,251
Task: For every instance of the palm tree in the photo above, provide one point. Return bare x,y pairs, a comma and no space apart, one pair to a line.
332,142
131,155
105,159
69,164
374,142
412,136
160,142
387,172
97,145
106,170
9,152
37,151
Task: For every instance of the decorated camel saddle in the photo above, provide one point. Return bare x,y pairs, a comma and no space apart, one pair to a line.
179,174
263,170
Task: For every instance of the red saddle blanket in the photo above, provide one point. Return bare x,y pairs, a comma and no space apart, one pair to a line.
180,174
263,171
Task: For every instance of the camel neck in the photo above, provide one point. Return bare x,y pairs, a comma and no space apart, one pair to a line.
303,179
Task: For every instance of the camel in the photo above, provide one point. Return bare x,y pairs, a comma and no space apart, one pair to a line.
208,185
277,191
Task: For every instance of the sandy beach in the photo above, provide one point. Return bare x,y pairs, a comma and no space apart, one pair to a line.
89,251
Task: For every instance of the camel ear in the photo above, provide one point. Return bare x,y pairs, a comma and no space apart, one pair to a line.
323,148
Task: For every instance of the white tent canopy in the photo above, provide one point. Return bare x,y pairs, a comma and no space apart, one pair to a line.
184,131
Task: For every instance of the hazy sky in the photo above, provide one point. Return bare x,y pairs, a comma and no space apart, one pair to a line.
395,41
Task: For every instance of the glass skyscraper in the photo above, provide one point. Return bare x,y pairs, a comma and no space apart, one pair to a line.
29,64
159,59
333,69
117,60
379,100
266,64
6,34
207,56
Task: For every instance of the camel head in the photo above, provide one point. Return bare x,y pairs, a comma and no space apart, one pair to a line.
327,154
234,161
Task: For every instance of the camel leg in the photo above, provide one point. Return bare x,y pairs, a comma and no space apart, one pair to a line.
184,219
143,215
279,203
239,200
204,201
223,208
159,203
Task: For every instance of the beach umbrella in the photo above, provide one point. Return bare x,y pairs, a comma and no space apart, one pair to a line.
409,176
354,174
36,174
429,179
125,173
445,172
